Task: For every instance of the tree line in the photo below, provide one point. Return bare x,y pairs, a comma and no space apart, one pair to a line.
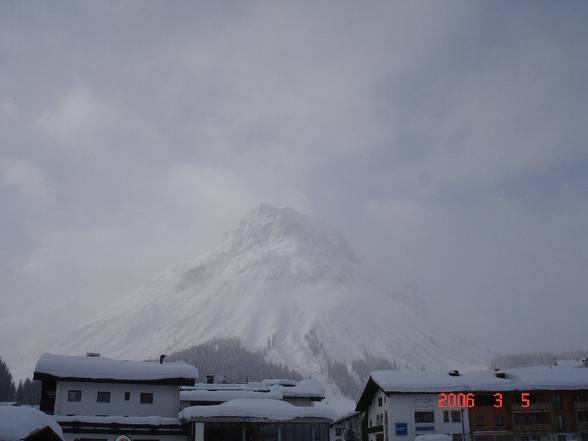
26,392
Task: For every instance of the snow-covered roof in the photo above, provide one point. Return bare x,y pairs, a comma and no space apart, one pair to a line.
18,422
413,381
529,378
84,368
267,410
252,385
279,381
563,377
557,377
230,394
305,389
276,389
122,420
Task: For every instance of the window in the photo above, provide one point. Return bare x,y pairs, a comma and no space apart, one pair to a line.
556,400
103,397
559,421
74,395
456,416
339,431
561,438
379,401
424,417
127,396
456,437
499,420
582,416
146,398
480,421
445,416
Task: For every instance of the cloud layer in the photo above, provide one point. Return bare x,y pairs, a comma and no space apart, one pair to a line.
446,140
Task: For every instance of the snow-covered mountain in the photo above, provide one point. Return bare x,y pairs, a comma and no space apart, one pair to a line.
286,283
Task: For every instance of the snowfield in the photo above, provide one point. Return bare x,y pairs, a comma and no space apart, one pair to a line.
283,282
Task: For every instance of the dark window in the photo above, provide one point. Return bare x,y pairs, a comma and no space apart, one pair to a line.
103,397
556,400
146,398
582,416
127,396
74,395
499,420
379,401
456,416
339,431
480,421
445,416
559,420
561,438
424,417
456,437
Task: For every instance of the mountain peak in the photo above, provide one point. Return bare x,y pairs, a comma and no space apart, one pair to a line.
286,231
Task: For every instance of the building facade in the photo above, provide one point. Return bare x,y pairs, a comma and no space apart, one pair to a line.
95,398
548,403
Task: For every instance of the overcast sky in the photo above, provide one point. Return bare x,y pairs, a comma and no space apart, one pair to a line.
446,140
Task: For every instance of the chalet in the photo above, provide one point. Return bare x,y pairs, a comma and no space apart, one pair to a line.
528,404
97,398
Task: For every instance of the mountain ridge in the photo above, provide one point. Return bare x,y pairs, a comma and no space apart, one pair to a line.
284,278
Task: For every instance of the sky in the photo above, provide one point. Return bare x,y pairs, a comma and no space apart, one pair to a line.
447,141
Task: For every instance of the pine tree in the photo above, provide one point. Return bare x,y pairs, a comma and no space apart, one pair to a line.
7,389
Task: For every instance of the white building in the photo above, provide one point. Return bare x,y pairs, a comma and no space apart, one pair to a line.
107,398
400,405
299,393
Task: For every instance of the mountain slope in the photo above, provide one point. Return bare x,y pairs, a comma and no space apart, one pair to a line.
282,282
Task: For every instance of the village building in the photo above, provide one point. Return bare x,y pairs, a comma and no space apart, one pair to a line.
97,398
94,398
547,403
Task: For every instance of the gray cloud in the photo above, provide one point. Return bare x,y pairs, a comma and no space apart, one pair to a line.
447,141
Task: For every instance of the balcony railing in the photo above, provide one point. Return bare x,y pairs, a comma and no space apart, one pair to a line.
581,405
533,428
518,407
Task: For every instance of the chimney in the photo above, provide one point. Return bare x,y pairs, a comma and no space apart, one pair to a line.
161,358
92,354
454,373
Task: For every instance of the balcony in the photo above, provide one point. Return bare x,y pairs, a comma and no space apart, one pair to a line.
540,406
533,428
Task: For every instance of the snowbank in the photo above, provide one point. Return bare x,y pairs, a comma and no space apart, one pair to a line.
433,437
18,422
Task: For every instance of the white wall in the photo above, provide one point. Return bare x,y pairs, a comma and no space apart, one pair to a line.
401,409
155,436
165,399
